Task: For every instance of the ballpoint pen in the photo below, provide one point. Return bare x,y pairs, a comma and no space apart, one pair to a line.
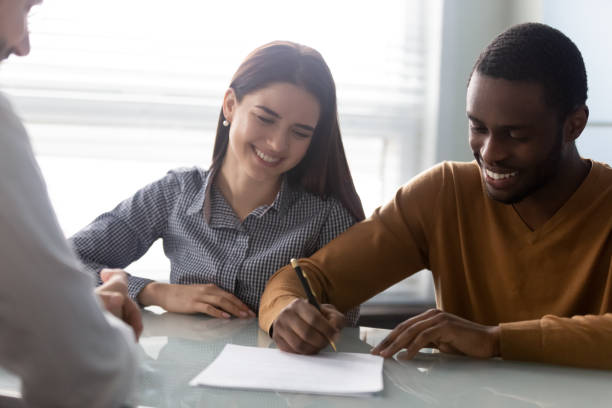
309,294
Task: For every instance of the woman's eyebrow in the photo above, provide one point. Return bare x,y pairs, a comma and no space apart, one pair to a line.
268,110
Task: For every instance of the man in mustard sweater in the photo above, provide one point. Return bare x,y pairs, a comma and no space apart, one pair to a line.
519,241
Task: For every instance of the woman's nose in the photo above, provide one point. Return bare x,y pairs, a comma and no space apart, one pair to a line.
278,141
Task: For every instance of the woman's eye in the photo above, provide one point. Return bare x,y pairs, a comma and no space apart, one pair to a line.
264,119
300,134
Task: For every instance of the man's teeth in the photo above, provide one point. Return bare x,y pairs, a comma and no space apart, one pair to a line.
500,176
265,158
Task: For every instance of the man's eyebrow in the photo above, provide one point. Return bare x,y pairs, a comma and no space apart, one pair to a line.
514,126
268,111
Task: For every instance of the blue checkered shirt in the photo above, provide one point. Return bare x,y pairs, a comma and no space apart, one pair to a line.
204,239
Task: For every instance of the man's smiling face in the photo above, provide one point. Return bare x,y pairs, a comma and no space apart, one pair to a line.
515,136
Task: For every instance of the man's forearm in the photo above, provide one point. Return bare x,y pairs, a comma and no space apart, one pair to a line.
581,341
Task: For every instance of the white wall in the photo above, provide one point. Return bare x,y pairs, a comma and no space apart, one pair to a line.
587,23
467,27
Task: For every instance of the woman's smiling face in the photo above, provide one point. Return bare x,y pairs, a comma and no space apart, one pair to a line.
271,130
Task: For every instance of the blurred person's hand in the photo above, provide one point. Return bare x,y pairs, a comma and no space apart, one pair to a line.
114,295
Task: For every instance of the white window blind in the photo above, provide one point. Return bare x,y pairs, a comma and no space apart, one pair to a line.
116,92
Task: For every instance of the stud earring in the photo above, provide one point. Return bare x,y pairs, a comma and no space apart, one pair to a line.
226,123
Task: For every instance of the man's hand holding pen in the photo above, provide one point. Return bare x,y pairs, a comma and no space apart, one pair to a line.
301,328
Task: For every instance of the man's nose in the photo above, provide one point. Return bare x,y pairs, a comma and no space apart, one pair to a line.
493,149
23,48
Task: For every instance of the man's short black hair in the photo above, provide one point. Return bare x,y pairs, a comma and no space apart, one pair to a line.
542,54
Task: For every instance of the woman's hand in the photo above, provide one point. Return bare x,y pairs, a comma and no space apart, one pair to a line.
203,298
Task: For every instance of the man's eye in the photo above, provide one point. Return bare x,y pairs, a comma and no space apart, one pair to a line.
518,138
478,129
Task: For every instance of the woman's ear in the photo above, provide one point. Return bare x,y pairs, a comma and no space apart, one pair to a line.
229,104
575,123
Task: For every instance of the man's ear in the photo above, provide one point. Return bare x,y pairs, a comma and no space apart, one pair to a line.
575,123
229,104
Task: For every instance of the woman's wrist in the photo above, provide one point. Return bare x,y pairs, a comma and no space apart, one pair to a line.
152,294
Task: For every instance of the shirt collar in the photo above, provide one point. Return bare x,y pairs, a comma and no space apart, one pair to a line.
198,201
204,199
280,203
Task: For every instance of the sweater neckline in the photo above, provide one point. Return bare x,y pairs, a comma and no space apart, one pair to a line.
569,209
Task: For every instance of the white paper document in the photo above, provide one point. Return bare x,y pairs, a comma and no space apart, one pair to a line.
256,368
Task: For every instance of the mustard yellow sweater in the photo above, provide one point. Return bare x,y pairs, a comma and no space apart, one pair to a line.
550,289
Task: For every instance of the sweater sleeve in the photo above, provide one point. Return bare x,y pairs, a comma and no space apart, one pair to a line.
119,237
54,334
582,341
369,257
338,221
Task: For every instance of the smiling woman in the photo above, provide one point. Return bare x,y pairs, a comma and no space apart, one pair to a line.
270,132
279,187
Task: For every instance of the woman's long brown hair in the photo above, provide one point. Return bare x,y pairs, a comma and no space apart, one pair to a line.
324,170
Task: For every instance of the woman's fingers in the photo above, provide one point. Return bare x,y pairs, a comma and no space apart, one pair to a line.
208,309
226,301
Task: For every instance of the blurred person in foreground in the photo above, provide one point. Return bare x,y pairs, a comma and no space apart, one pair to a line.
55,334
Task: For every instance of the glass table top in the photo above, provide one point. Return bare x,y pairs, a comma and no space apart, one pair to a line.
174,348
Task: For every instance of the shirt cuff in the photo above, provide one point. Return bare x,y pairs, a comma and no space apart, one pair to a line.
269,313
95,269
136,285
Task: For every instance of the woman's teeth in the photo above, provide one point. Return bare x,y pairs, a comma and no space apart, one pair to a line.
265,157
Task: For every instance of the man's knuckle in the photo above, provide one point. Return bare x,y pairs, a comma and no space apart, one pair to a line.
304,345
440,319
310,319
403,325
